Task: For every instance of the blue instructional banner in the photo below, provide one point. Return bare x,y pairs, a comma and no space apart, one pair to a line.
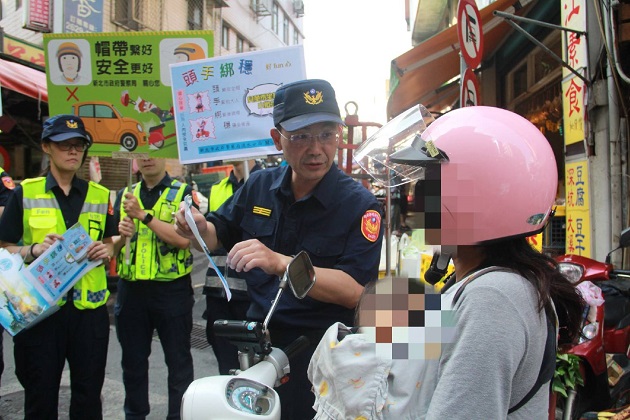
223,106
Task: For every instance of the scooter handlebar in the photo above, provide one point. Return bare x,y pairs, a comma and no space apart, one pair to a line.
300,344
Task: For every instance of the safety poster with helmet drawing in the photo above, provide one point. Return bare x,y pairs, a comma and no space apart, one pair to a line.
119,84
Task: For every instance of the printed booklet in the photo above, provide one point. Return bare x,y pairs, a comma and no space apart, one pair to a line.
30,293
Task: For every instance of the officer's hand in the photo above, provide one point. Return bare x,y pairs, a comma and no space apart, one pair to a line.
40,248
98,251
252,253
182,228
126,227
132,206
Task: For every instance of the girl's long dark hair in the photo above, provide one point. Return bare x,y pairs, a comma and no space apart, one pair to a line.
542,272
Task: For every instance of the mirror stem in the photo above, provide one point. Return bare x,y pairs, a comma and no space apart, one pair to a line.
283,284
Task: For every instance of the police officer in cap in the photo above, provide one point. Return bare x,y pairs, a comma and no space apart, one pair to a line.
38,213
307,205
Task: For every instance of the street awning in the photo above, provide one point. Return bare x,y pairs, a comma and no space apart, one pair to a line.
23,79
421,75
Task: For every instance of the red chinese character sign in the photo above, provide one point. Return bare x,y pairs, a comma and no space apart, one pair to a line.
470,89
469,32
119,84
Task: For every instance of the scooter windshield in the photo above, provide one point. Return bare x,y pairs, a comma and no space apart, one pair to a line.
396,154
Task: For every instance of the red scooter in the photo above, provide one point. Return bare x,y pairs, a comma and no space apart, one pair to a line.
609,334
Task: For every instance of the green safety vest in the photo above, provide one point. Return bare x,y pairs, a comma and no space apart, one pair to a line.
150,257
219,193
42,216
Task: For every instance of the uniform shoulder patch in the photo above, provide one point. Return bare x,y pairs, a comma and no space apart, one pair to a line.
371,225
8,183
195,198
110,208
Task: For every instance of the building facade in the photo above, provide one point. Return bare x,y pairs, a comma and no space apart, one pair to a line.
568,77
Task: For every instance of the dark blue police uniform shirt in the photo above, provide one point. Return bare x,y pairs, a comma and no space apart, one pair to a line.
327,224
11,224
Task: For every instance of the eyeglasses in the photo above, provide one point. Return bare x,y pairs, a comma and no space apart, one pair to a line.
67,146
325,138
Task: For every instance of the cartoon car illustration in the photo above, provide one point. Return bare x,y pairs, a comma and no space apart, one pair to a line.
104,124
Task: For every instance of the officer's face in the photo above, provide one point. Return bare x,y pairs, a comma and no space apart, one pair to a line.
66,156
309,151
151,167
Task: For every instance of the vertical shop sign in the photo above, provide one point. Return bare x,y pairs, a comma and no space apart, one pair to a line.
83,16
578,220
574,96
574,52
119,84
224,105
38,16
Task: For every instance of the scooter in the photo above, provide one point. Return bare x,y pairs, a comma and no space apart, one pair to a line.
604,346
249,393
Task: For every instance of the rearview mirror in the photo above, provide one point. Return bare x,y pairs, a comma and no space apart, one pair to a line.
301,275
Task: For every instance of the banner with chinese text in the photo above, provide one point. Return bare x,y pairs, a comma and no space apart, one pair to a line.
575,54
578,216
119,84
224,105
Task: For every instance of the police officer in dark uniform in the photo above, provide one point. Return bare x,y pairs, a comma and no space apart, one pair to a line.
154,291
38,212
307,205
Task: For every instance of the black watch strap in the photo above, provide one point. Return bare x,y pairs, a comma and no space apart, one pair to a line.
147,219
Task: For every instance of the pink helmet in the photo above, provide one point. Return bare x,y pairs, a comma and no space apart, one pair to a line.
498,175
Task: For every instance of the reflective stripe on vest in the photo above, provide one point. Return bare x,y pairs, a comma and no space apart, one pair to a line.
42,216
150,257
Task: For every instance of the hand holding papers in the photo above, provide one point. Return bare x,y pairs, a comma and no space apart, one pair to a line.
193,227
30,294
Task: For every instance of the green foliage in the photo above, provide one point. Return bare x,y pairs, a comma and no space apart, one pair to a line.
567,375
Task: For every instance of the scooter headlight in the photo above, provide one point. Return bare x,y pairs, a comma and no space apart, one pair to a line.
572,272
589,331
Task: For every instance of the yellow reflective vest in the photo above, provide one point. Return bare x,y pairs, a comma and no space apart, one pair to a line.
219,193
150,257
42,216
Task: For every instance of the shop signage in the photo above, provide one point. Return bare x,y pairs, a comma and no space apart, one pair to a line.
38,15
578,220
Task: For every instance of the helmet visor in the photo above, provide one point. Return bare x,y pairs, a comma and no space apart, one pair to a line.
396,154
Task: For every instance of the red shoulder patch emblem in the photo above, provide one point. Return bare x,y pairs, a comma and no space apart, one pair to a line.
8,183
195,198
371,225
110,209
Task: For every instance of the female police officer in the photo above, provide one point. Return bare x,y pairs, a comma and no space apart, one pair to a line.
40,210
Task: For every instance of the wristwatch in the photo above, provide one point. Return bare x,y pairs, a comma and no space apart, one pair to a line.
147,218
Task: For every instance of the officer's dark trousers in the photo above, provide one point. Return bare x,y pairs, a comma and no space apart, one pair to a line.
144,306
79,336
219,308
296,396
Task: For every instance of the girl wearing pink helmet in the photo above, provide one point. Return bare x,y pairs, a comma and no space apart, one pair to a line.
489,179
